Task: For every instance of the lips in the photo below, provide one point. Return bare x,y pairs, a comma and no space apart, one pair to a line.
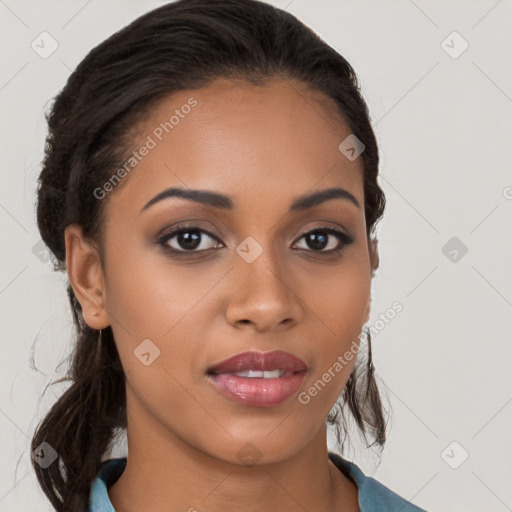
258,379
260,362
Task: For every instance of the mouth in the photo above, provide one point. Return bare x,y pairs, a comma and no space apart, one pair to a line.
258,379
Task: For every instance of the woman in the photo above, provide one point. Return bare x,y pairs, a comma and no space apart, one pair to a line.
210,187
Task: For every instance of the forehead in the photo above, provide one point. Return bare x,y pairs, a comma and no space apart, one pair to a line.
246,140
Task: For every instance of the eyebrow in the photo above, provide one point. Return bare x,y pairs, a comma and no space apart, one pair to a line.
222,201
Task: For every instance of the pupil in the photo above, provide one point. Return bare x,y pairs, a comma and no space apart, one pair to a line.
189,239
317,241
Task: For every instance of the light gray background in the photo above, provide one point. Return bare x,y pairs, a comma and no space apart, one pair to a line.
444,129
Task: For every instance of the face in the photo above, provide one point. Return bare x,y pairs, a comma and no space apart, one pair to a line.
244,273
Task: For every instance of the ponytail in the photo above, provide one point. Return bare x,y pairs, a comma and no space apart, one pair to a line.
81,425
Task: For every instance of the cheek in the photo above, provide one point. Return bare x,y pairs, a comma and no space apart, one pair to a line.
158,322
153,310
339,309
148,295
341,302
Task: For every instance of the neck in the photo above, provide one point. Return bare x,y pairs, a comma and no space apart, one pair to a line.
163,470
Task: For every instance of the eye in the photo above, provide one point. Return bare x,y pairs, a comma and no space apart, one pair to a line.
318,240
188,239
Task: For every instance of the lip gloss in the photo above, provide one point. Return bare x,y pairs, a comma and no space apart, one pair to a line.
257,391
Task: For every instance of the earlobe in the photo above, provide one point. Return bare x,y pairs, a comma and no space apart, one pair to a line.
85,275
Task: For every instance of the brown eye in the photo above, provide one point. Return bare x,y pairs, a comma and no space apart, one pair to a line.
187,239
326,240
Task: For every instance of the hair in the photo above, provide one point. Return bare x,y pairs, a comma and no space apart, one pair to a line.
181,45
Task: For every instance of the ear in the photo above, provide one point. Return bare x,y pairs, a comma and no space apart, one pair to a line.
367,313
374,265
373,249
85,275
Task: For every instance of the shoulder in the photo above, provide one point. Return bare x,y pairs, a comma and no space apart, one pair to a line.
373,496
110,471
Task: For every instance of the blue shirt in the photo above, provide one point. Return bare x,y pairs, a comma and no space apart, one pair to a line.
373,496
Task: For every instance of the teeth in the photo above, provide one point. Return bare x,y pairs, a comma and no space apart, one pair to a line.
274,374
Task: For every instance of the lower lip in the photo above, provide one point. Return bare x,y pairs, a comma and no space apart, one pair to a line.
256,391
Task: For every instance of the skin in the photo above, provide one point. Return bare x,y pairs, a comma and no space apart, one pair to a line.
248,142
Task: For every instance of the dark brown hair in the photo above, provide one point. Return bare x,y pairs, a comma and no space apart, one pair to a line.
181,45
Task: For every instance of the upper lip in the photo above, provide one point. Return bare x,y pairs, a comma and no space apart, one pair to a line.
260,361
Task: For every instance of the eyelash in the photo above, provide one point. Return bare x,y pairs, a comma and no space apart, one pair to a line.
343,238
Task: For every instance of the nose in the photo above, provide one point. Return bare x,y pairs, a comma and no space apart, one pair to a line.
264,295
